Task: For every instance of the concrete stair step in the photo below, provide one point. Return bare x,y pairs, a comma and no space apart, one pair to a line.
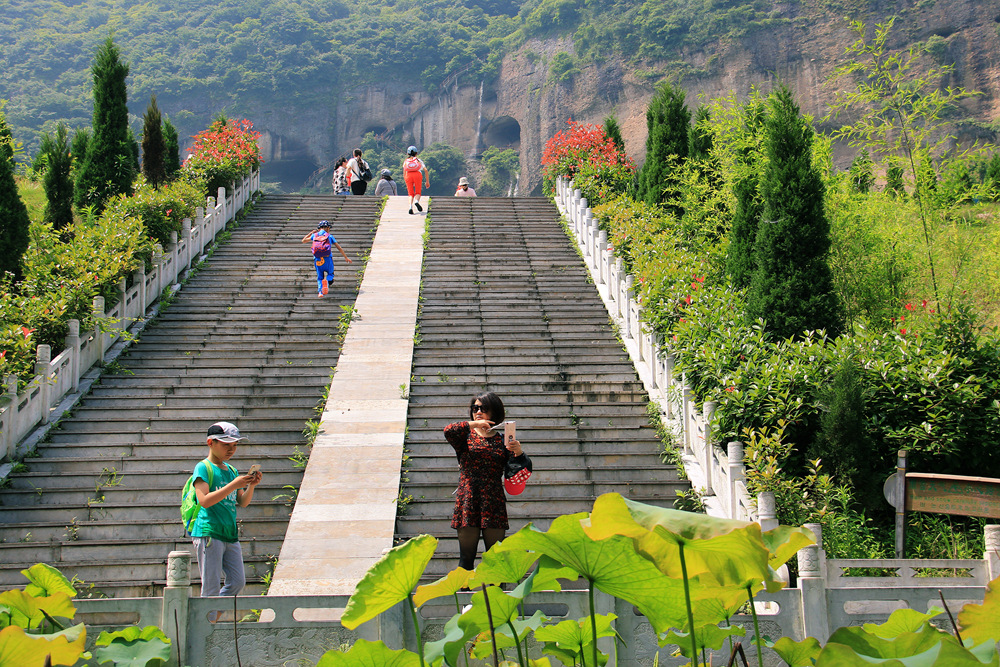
101,529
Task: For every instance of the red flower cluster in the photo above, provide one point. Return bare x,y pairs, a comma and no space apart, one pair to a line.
234,141
567,151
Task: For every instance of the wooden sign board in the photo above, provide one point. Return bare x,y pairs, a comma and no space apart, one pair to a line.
953,494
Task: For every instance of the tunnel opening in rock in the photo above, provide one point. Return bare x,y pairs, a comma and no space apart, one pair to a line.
503,132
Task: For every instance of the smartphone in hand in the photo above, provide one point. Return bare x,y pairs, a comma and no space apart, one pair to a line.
509,432
254,469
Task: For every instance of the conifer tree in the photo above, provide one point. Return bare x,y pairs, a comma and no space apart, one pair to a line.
171,150
153,145
108,168
614,130
14,219
740,260
58,181
667,122
792,286
699,136
78,149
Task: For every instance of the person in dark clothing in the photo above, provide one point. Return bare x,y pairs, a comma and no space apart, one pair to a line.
480,504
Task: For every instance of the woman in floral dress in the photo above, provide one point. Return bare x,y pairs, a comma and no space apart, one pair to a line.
480,504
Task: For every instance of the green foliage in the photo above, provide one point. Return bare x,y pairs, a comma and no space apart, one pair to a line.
548,16
171,150
667,124
792,287
501,170
107,169
700,134
563,68
614,131
222,155
58,181
13,214
747,134
586,154
445,164
862,173
153,145
161,210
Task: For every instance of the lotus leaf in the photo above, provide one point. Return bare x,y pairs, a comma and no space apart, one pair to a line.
732,553
134,652
798,654
505,639
502,609
389,580
573,639
451,644
707,636
612,565
548,574
18,649
981,622
449,584
26,610
47,580
131,634
925,647
902,621
501,567
369,654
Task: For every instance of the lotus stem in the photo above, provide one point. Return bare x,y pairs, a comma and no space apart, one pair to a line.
416,628
517,643
687,604
756,627
493,634
236,636
593,623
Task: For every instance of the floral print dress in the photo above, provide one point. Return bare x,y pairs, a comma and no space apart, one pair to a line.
479,500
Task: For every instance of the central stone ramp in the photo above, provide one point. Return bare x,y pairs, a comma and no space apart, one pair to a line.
507,305
246,340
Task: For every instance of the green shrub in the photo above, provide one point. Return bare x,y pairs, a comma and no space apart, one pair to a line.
161,210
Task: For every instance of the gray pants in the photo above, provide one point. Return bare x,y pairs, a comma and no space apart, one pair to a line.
215,559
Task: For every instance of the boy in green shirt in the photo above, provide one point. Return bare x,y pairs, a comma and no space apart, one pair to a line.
215,534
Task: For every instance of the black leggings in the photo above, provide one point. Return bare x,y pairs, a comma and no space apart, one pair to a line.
468,543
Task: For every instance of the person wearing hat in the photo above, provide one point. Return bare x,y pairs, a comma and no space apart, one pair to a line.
220,490
412,168
480,504
463,188
323,244
386,186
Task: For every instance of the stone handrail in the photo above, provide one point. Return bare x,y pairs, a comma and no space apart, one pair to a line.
55,378
717,473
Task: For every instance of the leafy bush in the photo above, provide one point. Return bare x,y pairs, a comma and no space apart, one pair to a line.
160,209
587,154
223,154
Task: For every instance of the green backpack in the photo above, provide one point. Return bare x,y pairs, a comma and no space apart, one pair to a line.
189,498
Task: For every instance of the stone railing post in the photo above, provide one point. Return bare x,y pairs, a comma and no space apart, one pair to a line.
812,583
140,279
668,380
992,554
627,299
174,614
220,202
73,344
735,475
619,267
99,337
602,249
159,283
175,270
189,253
708,460
10,417
43,357
767,515
686,401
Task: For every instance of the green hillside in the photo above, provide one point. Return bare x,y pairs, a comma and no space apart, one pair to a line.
200,57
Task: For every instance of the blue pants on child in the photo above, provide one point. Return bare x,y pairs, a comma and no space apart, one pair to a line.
215,559
324,267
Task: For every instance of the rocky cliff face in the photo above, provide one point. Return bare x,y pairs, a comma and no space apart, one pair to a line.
522,108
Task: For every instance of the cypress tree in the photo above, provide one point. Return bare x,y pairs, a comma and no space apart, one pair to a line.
667,122
740,260
700,136
108,168
58,182
78,149
792,286
614,131
171,150
14,219
153,145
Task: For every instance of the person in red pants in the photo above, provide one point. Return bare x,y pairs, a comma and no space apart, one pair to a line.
413,167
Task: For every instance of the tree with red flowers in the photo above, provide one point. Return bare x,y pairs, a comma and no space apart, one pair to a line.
585,153
224,153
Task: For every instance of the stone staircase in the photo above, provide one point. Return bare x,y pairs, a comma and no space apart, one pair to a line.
246,341
507,305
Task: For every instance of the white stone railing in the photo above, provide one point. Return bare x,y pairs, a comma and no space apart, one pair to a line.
300,628
718,473
55,378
